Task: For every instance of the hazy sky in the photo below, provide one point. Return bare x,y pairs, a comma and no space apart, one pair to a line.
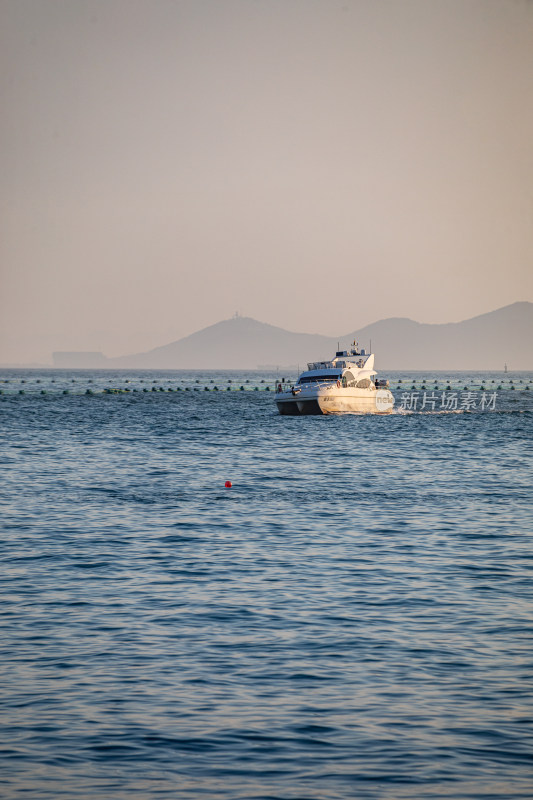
313,164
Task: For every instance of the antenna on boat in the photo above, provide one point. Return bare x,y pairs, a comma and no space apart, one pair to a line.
370,346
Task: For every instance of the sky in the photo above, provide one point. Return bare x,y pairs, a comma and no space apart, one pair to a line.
314,164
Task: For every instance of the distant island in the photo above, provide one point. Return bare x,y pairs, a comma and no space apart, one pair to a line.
486,342
79,359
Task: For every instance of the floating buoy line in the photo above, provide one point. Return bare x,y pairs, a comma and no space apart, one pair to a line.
100,386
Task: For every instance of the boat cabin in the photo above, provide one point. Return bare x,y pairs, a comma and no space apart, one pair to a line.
342,360
320,374
351,368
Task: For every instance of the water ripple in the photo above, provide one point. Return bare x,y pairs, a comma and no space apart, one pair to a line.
351,619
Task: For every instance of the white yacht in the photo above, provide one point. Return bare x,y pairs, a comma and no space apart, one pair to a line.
345,385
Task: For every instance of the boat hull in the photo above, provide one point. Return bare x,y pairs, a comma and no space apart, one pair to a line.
335,400
288,408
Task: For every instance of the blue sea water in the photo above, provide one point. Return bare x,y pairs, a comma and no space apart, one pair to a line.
352,619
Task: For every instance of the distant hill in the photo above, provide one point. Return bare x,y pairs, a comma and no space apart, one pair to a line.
237,343
485,342
79,359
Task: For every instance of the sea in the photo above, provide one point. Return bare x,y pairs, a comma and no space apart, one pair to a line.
351,618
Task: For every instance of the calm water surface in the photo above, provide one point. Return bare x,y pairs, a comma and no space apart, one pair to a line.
352,619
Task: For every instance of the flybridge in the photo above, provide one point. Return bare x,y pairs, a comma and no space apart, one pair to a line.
343,358
319,365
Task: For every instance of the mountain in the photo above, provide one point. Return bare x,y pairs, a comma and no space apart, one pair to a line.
79,359
485,342
237,343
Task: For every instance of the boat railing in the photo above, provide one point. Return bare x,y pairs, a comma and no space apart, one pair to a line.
320,384
312,365
279,386
326,384
283,386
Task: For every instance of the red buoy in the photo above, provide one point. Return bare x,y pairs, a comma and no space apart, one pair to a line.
228,484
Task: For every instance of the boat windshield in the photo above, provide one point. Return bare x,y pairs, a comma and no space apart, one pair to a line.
319,378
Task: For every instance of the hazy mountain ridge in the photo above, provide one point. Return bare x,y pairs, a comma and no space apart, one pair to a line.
485,342
237,343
